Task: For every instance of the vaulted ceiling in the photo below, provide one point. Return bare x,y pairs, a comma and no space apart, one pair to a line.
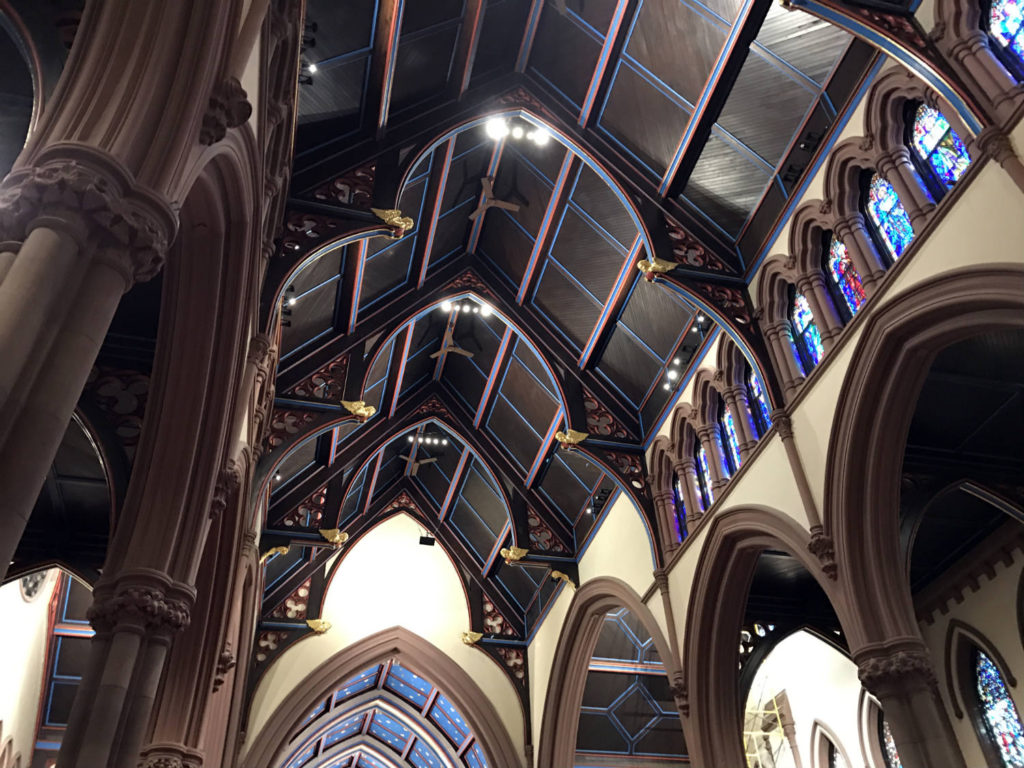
541,149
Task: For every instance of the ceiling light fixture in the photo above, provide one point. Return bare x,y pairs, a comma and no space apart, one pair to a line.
672,375
291,301
444,442
496,128
517,132
446,306
312,67
540,137
465,307
486,310
666,386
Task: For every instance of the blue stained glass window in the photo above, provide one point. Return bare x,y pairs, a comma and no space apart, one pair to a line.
1000,715
892,757
844,275
679,500
805,332
889,216
760,408
732,443
1005,22
939,146
704,477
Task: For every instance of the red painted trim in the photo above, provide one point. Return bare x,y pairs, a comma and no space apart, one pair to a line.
456,479
354,311
545,446
601,68
438,199
619,289
493,555
373,480
401,370
531,32
492,168
493,377
449,326
474,40
389,76
545,225
334,446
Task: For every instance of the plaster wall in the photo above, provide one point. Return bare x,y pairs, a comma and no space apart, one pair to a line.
821,685
991,610
388,579
541,655
24,654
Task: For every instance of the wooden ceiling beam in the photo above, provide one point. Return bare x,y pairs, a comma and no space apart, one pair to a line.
382,63
615,41
465,49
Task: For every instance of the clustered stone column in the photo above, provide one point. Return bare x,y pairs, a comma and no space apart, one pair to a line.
664,506
135,617
87,237
903,680
853,232
686,471
736,401
708,436
780,347
899,170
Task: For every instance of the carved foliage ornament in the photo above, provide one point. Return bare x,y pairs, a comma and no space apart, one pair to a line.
302,231
130,232
353,188
468,281
229,107
328,383
143,606
495,623
434,407
542,538
901,669
599,421
309,513
689,251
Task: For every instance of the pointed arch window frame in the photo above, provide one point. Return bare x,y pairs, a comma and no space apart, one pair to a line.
705,494
844,283
759,409
925,145
1006,44
726,423
878,225
807,358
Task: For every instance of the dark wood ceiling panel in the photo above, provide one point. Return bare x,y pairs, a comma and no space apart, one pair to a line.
726,184
590,256
517,582
563,488
338,39
570,75
628,365
312,315
597,13
350,506
386,271
509,428
563,302
293,464
766,107
518,183
326,266
465,379
655,44
506,244
464,176
391,469
474,334
450,234
644,119
335,92
500,38
471,529
418,15
534,402
546,160
597,199
418,368
421,67
379,368
535,366
656,316
478,492
808,44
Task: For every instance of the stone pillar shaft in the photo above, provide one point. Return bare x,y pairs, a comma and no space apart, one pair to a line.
812,285
852,231
737,403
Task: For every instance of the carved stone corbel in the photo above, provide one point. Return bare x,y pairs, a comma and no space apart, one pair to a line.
229,107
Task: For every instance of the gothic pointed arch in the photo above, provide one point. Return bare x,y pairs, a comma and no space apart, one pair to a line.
556,746
410,650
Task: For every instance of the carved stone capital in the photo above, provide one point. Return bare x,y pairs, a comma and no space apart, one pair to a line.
229,107
995,144
904,669
783,425
94,202
225,663
170,756
680,693
142,602
259,349
228,484
823,548
661,579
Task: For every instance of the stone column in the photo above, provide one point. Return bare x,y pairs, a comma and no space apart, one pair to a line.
8,253
664,505
898,169
997,145
736,401
780,346
135,616
87,243
812,285
971,50
687,472
903,680
708,437
852,231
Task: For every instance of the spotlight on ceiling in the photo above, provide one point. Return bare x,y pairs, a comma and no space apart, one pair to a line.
277,478
444,442
700,318
291,301
446,306
517,132
409,438
465,307
496,128
427,541
672,375
540,137
485,309
312,67
666,386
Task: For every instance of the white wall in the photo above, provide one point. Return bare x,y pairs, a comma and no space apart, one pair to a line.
388,579
23,650
821,685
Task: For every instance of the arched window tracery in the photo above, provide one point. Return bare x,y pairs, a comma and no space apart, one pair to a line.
806,337
704,493
998,712
1006,28
889,219
844,277
759,403
938,149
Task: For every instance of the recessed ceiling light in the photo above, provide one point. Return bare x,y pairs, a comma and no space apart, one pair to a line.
700,318
312,67
444,442
666,386
496,128
485,309
409,438
277,477
446,306
540,137
291,301
672,375
517,132
677,362
465,307
693,330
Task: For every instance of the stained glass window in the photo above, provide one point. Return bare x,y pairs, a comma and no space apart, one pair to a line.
844,275
1000,715
938,145
805,333
1005,22
759,403
680,508
707,496
892,757
731,443
889,216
